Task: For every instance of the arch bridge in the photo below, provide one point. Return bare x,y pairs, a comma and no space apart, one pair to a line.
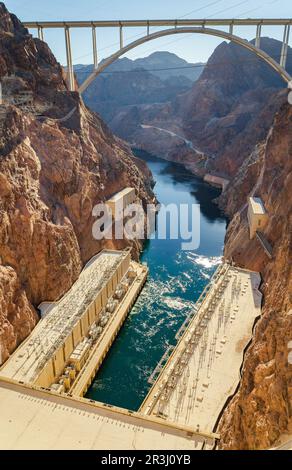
199,26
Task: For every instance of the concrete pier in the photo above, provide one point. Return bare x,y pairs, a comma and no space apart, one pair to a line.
217,181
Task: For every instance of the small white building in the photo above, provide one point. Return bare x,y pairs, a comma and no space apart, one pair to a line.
121,200
257,216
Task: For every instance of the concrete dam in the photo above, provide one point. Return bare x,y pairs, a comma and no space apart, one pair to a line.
53,368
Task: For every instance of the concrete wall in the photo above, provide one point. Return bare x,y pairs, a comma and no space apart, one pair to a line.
256,221
77,337
129,198
69,346
47,376
92,312
121,200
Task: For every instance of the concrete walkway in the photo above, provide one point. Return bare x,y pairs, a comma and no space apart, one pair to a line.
33,419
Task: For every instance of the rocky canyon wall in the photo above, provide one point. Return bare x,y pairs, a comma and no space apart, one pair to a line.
262,408
53,171
229,109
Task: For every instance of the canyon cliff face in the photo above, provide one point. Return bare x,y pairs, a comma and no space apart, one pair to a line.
232,107
262,408
239,124
57,161
157,78
229,109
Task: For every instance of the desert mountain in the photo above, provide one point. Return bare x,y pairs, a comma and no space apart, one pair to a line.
217,123
154,79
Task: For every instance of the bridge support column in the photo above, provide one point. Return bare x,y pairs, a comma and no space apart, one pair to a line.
231,28
284,50
121,37
70,71
258,36
148,28
94,47
41,33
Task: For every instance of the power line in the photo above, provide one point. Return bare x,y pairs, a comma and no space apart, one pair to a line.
199,9
208,17
215,64
180,17
257,8
229,8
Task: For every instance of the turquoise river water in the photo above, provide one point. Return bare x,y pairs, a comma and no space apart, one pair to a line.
176,280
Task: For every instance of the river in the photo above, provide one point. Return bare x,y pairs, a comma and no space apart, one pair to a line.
176,280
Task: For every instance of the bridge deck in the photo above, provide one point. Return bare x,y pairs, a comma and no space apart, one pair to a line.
162,22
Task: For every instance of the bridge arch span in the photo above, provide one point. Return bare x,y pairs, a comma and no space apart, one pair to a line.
186,30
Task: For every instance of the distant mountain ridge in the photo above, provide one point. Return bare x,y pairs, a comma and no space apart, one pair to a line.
176,66
226,112
158,78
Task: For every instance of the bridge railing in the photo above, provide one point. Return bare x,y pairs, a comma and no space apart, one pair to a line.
40,26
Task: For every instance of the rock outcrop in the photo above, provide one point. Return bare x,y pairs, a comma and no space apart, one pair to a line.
57,161
262,408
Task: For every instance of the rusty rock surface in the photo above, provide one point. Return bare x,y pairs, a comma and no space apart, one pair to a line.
53,171
261,410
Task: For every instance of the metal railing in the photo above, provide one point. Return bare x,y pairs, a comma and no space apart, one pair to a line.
202,25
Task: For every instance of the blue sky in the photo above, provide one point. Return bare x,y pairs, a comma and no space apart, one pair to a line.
193,48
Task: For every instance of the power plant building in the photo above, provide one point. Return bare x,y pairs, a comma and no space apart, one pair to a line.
58,347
